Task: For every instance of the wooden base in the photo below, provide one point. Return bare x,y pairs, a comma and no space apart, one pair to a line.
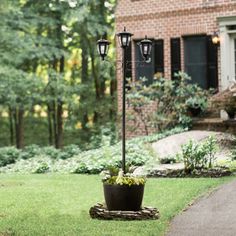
99,211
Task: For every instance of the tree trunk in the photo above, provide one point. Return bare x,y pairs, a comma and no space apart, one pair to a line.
54,119
95,75
19,127
11,127
113,89
59,139
59,113
50,130
84,80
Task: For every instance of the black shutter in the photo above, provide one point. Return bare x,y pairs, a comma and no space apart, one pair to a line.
212,64
159,56
175,51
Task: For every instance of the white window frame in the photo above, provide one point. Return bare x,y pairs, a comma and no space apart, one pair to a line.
227,51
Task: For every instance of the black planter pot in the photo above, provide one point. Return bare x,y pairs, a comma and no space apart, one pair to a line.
123,197
194,111
231,114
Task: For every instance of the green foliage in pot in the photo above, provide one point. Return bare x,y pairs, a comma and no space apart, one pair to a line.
122,179
197,103
125,180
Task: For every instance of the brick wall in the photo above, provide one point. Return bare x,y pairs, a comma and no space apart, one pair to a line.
165,19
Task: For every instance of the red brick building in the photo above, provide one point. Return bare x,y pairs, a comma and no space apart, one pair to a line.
181,31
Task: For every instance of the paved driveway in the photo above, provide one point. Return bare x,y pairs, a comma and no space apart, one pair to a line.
214,215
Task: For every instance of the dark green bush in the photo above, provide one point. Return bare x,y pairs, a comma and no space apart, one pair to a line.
51,152
30,151
8,155
69,151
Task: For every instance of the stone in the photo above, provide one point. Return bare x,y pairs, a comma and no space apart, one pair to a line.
216,172
99,211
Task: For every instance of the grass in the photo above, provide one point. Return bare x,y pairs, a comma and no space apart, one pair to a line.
58,205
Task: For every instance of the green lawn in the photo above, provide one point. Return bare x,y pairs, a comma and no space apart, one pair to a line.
59,204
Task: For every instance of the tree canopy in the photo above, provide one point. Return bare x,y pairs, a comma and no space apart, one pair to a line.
48,60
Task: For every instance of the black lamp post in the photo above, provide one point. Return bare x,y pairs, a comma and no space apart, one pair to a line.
124,41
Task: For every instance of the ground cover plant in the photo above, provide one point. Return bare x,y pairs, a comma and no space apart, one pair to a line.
71,159
56,204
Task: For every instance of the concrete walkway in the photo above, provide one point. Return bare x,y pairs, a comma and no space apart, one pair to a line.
213,215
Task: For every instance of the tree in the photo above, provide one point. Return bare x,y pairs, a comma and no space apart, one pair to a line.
48,48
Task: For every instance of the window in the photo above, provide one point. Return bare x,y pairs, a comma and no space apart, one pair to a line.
200,59
175,51
155,66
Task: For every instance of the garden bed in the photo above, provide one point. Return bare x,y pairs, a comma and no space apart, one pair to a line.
180,173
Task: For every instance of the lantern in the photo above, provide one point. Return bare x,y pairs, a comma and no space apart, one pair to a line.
103,46
124,38
215,38
145,48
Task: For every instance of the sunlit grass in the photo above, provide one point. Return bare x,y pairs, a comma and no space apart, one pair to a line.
59,204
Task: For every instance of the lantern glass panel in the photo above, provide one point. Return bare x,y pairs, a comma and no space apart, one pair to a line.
124,40
145,51
103,49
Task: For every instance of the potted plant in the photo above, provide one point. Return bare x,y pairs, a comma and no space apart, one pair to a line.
230,111
123,192
230,107
196,105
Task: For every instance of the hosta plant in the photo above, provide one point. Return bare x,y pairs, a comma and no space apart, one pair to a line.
124,179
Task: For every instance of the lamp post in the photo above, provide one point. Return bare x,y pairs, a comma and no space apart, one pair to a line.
124,41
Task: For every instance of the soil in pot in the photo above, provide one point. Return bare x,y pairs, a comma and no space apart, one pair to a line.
194,112
123,197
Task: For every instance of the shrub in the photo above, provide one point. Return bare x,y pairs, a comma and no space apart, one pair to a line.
8,155
51,152
199,155
171,98
30,151
69,151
